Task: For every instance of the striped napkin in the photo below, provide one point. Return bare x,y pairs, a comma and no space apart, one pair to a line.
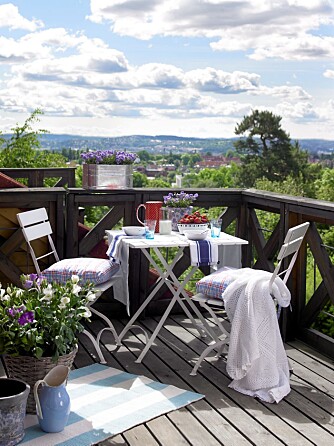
203,252
115,247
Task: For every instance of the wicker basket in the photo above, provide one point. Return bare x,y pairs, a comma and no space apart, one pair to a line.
30,370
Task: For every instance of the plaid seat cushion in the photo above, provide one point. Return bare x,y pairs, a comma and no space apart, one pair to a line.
215,283
89,269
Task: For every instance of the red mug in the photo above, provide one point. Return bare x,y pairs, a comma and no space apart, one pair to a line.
152,212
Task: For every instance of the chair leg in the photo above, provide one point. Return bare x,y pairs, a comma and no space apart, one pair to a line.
96,345
96,341
215,346
108,322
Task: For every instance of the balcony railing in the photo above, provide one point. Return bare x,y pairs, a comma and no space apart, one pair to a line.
240,209
35,177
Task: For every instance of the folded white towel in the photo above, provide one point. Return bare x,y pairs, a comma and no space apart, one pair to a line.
203,252
115,247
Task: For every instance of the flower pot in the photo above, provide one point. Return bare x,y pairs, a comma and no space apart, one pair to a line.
13,401
104,176
175,215
31,370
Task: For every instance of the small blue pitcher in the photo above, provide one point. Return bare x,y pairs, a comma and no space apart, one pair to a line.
52,400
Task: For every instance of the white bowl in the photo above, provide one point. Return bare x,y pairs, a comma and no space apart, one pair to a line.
191,227
134,230
196,235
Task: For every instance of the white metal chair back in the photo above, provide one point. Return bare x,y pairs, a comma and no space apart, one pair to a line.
292,242
35,225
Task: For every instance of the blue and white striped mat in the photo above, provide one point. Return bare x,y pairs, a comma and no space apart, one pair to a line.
106,401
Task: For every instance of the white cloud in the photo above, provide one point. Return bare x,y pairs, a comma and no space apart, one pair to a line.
38,45
329,74
12,19
298,111
282,28
218,81
292,93
72,76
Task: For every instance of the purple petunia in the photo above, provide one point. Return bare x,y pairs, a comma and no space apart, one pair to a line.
33,279
14,311
26,318
179,199
110,157
28,284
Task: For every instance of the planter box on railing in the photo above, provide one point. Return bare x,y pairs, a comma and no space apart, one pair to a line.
102,176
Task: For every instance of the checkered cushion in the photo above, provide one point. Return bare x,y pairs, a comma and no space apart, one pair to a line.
215,283
89,269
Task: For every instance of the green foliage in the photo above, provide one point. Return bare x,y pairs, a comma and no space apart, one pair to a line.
324,322
144,156
139,180
23,148
212,178
158,182
325,185
290,186
93,214
265,149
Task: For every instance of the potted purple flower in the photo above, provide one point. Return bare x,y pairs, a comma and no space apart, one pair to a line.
108,169
177,205
39,326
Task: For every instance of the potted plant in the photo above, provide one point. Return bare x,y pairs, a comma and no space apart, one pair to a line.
178,204
108,169
39,326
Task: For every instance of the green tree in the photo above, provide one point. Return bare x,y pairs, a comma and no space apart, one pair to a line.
265,149
290,186
158,182
144,156
325,185
222,177
139,179
185,159
230,153
22,148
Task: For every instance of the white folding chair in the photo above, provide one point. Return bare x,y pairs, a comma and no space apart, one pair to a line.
213,305
35,225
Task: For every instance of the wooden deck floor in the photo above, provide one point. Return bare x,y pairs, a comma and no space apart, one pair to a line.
224,417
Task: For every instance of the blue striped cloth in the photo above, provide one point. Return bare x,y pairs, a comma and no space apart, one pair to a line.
203,252
115,247
105,402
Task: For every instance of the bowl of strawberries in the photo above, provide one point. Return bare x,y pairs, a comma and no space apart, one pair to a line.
194,222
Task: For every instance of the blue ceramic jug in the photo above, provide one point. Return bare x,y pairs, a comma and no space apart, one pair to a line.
52,400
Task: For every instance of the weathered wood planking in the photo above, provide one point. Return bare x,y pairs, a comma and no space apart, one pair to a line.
225,417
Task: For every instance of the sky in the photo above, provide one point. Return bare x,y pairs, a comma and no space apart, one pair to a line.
190,68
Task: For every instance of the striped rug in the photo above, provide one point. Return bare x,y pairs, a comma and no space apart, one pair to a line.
105,402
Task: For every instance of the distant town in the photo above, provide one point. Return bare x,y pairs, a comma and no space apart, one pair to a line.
164,144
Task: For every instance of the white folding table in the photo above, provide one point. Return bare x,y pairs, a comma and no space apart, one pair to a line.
167,276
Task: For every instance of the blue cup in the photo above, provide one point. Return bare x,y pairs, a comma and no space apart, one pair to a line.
149,228
216,225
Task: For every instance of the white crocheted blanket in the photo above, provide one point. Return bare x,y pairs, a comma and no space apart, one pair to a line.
256,360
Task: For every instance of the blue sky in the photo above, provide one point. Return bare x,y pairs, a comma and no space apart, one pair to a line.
178,67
